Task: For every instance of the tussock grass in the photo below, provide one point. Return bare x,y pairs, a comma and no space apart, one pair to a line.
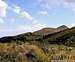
12,52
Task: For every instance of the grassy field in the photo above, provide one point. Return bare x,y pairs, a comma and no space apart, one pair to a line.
26,52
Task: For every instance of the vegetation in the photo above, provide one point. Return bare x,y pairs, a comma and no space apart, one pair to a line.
27,52
30,47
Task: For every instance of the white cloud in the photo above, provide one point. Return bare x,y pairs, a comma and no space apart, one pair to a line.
35,21
71,25
54,4
28,28
36,25
70,4
48,4
22,13
1,21
24,27
12,19
26,15
3,8
17,9
43,13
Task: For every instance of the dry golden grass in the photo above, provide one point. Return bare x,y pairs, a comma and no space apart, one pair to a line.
12,52
21,50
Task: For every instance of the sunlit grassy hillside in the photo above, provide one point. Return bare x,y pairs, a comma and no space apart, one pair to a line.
32,47
26,52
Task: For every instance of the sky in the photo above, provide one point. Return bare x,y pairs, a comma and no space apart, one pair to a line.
20,16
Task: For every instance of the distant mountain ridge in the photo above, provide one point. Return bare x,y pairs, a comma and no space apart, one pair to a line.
46,31
63,27
59,35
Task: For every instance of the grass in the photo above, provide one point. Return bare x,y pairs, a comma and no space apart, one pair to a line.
12,52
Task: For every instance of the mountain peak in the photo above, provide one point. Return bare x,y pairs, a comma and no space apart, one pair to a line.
62,27
46,31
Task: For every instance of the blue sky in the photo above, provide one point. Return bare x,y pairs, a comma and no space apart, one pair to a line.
19,16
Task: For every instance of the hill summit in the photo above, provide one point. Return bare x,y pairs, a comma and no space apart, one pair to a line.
63,27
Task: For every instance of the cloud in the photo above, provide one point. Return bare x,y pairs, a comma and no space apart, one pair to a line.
71,25
12,19
3,8
70,4
24,27
35,21
48,4
43,13
1,21
39,26
30,28
7,32
54,4
25,14
17,9
36,25
27,28
22,13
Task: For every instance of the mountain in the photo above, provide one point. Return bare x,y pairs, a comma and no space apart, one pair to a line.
63,27
43,45
60,35
66,37
45,31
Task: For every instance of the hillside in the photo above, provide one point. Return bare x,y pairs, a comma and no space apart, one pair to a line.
48,35
63,27
63,37
46,31
34,36
45,45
